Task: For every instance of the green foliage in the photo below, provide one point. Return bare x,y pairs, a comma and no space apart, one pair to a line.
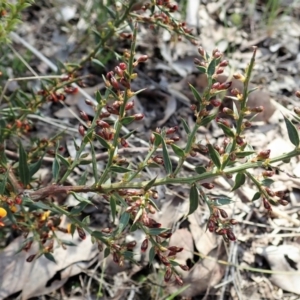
132,200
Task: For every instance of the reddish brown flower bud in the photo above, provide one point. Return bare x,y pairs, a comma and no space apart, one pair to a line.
175,249
240,141
116,257
178,280
129,105
228,111
223,63
102,124
158,159
211,225
216,53
153,224
184,267
84,116
138,117
112,110
270,192
173,7
122,66
164,260
247,124
297,94
171,130
257,109
193,107
71,89
235,92
18,200
168,275
30,258
297,110
130,245
202,52
81,130
233,222
142,58
81,233
232,156
114,83
225,85
166,235
215,102
197,62
104,114
223,213
144,245
230,235
265,154
175,138
239,76
223,121
118,71
125,83
279,194
208,185
283,202
124,143
109,75
220,71
215,86
267,204
221,231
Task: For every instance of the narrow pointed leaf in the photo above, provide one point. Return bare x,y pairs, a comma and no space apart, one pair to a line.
211,68
178,151
166,157
222,201
206,120
196,94
227,131
119,169
158,139
292,132
102,141
214,155
123,222
240,179
149,185
194,199
186,126
200,170
55,168
113,207
50,257
256,196
23,166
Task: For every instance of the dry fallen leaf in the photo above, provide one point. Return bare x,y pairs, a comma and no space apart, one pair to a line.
34,279
284,258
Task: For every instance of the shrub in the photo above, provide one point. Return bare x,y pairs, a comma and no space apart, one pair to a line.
27,206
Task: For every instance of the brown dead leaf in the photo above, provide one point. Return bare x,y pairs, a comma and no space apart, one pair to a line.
183,238
204,240
284,258
33,279
204,274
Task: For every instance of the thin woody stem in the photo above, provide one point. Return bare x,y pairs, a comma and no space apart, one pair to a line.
106,188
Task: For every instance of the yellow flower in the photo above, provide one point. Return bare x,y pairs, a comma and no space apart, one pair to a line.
45,215
3,212
13,208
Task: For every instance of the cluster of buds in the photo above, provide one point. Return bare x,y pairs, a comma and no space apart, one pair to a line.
273,197
22,126
170,136
220,224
